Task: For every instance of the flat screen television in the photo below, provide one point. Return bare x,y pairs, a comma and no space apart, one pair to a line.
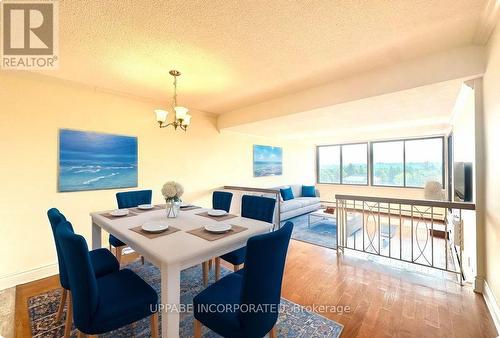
462,185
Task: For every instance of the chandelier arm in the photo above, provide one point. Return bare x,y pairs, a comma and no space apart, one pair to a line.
166,125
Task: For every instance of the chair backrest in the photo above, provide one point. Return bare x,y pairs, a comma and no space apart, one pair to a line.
262,278
259,208
84,291
130,199
222,200
55,218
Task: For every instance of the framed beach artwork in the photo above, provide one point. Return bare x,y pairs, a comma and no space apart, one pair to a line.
267,161
94,161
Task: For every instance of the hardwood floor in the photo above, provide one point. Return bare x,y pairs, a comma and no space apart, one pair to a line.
383,301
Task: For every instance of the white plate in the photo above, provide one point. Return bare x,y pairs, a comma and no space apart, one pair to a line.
145,206
119,212
217,212
218,228
154,227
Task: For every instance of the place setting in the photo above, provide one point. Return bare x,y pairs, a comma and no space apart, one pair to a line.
187,207
118,213
155,229
212,232
217,215
141,208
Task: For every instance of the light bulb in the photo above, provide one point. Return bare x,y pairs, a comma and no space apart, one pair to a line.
187,120
161,115
180,112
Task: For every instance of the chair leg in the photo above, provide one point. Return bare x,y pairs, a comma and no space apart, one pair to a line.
197,329
118,254
61,305
142,260
236,267
217,268
154,325
69,317
272,333
204,266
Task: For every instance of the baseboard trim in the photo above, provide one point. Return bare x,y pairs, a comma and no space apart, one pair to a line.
492,305
15,279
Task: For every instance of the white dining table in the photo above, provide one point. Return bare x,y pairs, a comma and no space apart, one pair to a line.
174,252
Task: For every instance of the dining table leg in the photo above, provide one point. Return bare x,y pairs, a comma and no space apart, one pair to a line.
170,300
96,236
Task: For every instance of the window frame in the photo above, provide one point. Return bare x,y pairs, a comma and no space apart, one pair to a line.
341,145
404,140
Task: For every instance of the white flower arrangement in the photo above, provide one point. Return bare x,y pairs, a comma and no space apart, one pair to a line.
172,191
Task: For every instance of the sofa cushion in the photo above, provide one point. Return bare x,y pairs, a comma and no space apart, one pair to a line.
308,191
290,205
287,194
301,211
305,201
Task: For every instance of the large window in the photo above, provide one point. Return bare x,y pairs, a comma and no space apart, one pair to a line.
343,164
424,162
400,163
329,164
388,163
407,163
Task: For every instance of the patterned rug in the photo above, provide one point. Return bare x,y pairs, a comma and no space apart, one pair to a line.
293,321
320,232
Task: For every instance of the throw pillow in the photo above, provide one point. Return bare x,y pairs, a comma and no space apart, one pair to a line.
287,194
308,191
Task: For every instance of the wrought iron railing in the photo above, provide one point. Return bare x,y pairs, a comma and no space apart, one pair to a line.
423,232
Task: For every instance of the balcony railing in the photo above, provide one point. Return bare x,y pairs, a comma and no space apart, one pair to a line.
423,232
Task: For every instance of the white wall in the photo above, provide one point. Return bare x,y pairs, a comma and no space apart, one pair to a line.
464,141
491,109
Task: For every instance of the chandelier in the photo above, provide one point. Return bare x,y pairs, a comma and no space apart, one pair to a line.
182,118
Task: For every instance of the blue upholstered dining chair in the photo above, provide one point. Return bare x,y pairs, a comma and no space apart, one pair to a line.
128,199
221,200
106,303
258,283
102,260
255,207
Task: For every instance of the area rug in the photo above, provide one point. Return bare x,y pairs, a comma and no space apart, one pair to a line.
321,232
324,231
293,320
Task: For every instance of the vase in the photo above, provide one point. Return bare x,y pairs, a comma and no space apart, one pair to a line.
172,209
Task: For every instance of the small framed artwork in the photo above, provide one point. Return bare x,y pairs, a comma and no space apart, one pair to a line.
94,161
267,161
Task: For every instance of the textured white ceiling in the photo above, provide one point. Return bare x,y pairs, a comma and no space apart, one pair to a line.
236,53
427,108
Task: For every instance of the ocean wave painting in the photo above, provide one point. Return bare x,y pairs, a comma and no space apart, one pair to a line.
93,161
267,161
